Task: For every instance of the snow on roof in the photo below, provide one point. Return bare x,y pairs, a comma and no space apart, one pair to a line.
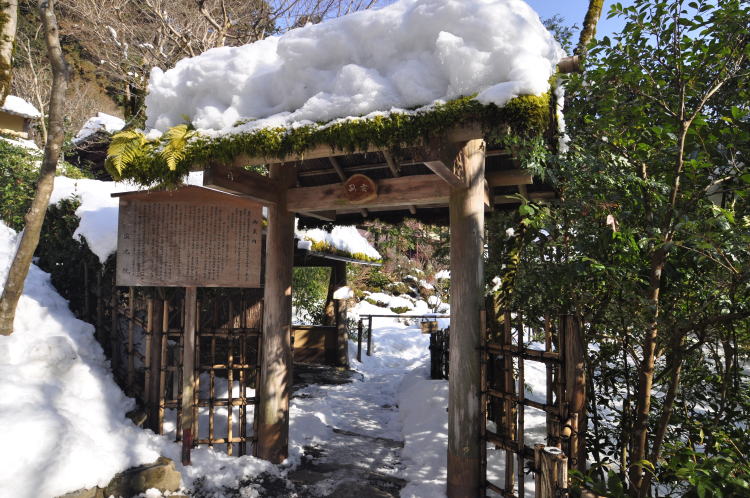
345,239
21,142
410,54
100,122
98,212
20,107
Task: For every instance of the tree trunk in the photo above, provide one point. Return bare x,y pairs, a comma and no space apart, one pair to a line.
35,217
589,25
666,414
646,374
8,22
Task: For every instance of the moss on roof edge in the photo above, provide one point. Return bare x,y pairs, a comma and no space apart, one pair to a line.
167,160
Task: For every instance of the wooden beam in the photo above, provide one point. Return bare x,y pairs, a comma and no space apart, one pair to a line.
461,134
240,181
466,302
275,386
444,172
393,166
392,192
323,215
362,168
510,177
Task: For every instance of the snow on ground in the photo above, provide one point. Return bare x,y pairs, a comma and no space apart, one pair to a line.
423,407
62,415
409,54
101,122
20,107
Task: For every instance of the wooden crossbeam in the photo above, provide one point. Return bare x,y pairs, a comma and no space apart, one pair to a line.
240,181
416,190
507,178
392,192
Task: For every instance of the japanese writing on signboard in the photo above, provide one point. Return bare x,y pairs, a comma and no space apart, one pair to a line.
360,189
182,243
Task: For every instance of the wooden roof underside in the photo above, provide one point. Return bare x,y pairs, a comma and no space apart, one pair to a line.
412,181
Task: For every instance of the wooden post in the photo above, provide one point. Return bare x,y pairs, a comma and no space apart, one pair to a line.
276,365
467,281
188,372
341,309
575,390
342,337
369,335
359,340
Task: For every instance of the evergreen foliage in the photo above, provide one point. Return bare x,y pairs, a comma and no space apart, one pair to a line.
650,246
19,170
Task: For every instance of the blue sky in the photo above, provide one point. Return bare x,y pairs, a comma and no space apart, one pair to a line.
573,11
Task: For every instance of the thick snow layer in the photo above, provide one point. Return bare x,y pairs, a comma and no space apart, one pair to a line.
62,415
100,122
409,54
99,210
19,106
347,239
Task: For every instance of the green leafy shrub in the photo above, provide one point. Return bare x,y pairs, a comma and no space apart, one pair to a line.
721,470
400,309
309,292
18,176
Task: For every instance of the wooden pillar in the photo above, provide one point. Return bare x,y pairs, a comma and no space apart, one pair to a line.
466,297
341,312
342,332
276,363
188,372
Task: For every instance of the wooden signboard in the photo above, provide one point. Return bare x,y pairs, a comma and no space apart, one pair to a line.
360,189
189,237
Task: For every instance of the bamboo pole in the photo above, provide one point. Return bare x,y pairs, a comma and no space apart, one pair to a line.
508,406
147,355
521,409
131,324
188,372
483,388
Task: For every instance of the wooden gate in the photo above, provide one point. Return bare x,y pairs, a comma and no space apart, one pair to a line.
506,348
150,335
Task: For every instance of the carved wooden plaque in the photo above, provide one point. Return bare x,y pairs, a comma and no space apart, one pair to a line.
360,189
189,237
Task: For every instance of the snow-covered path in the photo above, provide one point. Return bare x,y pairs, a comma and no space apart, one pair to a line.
347,433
